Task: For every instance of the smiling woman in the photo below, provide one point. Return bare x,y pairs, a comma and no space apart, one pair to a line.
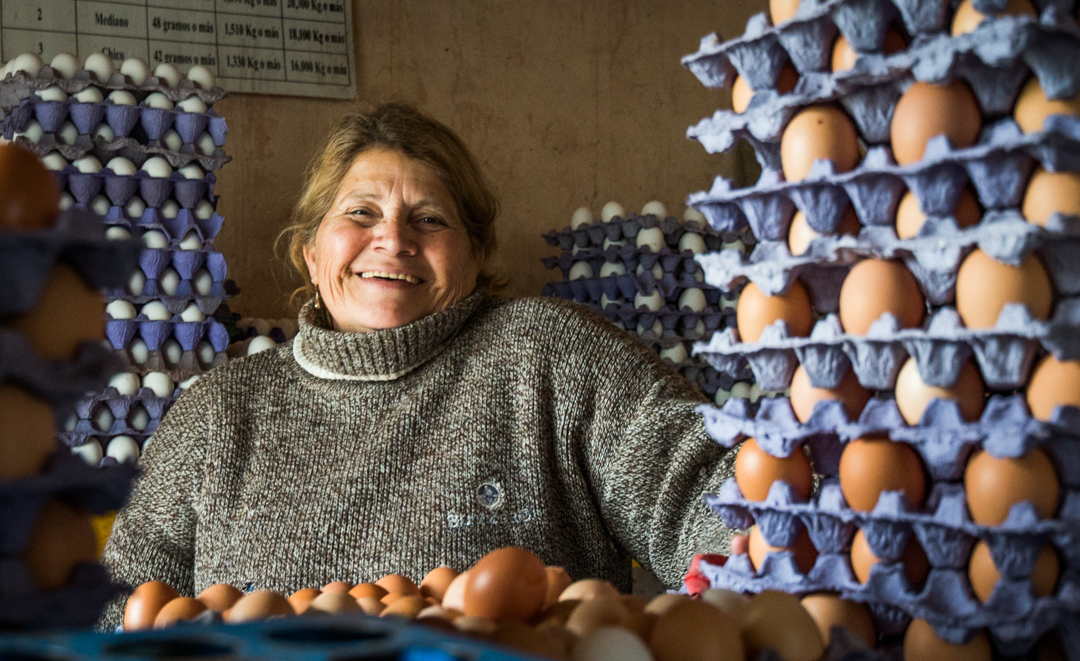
417,420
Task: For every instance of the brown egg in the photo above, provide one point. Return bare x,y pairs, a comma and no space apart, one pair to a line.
755,311
921,643
596,613
803,550
967,18
776,621
696,630
29,196
1032,107
1053,383
913,395
301,599
742,93
507,584
341,587
368,590
926,111
756,470
436,581
557,581
910,217
984,286
68,313
844,56
27,433
588,588
220,597
916,564
180,609
800,234
662,603
994,485
408,606
332,602
521,636
641,624
399,585
437,613
804,396
829,610
818,133
876,286
62,537
478,627
733,604
454,597
371,605
984,574
257,606
1049,193
869,466
781,11
559,611
557,640
145,603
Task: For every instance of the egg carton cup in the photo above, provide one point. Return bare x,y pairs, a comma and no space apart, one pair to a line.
188,366
121,407
78,239
78,604
122,119
628,285
625,230
128,148
186,263
120,188
17,86
175,229
1004,353
121,332
678,324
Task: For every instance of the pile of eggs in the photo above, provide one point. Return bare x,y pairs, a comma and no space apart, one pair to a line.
261,334
511,598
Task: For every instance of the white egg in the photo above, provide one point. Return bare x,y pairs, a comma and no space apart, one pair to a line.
653,301
260,343
71,422
155,311
608,243
169,281
123,449
734,245
675,354
138,351
192,104
755,392
135,207
89,95
657,329
65,65
693,214
612,268
135,69
201,76
721,396
54,161
192,171
652,237
105,133
138,418
732,303
103,418
101,65
191,241
159,101
67,201
100,205
170,209
68,134
120,310
611,210
52,93
699,329
90,452
126,383
121,98
203,282
156,166
655,208
171,351
657,271
117,233
693,299
168,74
204,351
136,283
122,166
692,242
172,140
740,390
87,165
610,644
33,131
159,383
205,143
29,63
204,210
192,313
184,385
580,270
604,301
699,276
581,217
261,326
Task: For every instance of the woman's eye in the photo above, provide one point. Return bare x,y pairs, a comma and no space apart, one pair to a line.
431,221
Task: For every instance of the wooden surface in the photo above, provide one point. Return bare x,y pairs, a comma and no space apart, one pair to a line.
564,103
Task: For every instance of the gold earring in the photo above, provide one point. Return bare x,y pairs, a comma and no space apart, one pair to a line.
318,302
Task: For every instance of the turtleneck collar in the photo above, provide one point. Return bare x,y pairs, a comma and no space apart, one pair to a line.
381,355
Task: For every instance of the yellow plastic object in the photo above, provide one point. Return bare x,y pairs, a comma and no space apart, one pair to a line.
102,529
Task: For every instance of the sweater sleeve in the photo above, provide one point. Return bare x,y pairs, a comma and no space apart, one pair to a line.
153,538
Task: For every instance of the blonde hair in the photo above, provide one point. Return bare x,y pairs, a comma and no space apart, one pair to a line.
403,129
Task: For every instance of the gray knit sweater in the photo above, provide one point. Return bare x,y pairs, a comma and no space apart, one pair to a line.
341,456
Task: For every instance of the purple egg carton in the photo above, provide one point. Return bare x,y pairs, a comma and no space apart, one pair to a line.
626,229
1004,353
120,188
122,119
628,285
18,86
943,439
671,260
678,324
78,239
174,228
121,332
186,263
121,407
78,604
188,366
129,148
62,382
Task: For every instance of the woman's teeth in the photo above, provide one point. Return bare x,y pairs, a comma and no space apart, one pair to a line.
390,276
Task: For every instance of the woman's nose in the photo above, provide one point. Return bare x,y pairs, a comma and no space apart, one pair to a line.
393,235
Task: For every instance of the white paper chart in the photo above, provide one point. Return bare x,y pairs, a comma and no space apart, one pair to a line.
296,47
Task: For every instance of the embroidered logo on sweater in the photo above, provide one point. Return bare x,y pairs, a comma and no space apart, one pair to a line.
489,494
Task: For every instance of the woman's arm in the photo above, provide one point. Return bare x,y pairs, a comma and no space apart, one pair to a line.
153,538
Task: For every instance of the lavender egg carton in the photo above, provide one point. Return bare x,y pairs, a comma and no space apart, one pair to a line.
78,239
188,334
122,119
18,86
627,286
78,604
943,438
122,408
671,260
187,264
998,166
174,228
1004,353
188,366
64,382
84,186
128,148
620,230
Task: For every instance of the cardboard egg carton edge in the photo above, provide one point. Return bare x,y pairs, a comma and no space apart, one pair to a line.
175,229
154,191
18,86
125,147
626,229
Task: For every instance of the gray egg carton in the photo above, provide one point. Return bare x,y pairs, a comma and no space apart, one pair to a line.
174,228
128,148
17,87
626,229
154,191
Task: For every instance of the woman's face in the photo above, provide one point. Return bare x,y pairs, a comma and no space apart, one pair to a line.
392,248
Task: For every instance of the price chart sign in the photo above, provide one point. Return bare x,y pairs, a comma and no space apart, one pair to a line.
296,47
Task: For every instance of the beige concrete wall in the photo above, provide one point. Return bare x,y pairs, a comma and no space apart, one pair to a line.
564,102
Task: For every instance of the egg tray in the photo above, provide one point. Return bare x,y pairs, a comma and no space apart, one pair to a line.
188,366
78,604
77,238
629,285
175,229
121,407
84,186
933,257
187,264
1004,353
626,229
128,148
669,260
18,86
121,332
122,119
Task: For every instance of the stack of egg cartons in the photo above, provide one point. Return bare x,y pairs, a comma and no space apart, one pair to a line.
137,148
51,332
255,335
638,271
915,283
